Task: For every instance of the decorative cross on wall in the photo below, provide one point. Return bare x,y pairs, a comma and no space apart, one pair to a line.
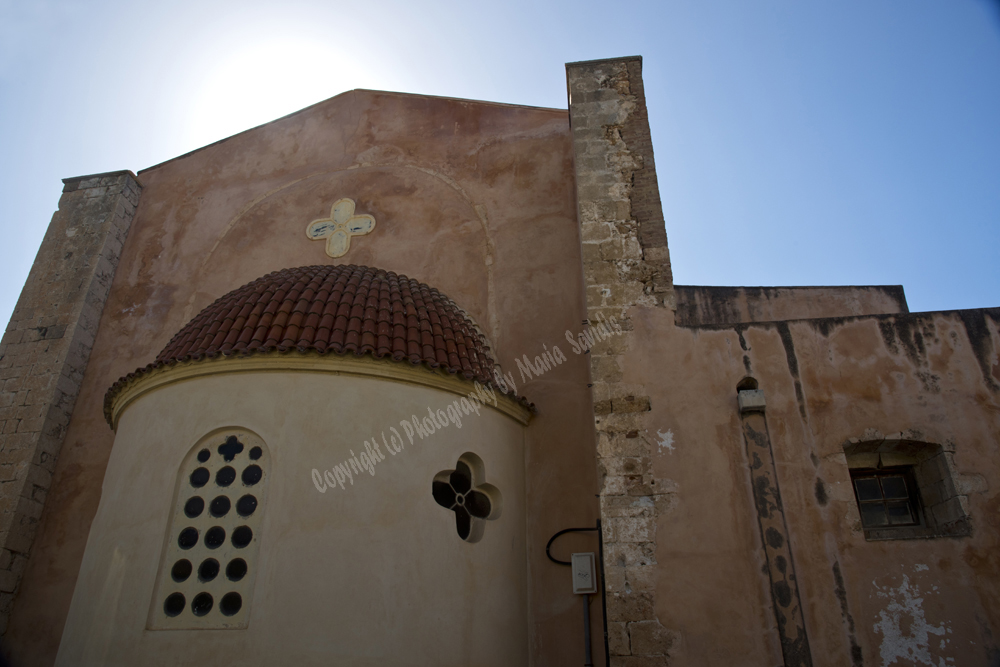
340,227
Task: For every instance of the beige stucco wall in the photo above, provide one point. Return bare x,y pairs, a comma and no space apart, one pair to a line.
934,376
372,574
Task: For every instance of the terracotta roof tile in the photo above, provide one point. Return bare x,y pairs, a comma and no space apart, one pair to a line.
332,309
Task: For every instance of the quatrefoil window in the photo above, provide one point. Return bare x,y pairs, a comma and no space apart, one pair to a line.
465,492
340,227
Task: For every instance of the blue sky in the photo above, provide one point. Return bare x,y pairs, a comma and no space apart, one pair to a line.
796,143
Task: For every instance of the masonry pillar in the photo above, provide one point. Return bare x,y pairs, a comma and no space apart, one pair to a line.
626,265
45,349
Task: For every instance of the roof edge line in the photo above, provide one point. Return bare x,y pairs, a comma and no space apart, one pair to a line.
119,398
353,91
601,61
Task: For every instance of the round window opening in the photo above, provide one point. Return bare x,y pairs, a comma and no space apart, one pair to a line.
174,604
202,604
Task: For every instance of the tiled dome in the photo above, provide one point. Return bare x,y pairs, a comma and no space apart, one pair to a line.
332,309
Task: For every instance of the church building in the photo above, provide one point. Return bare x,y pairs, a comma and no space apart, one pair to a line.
406,380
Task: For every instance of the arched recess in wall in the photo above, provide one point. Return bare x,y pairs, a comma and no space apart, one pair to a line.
426,228
210,553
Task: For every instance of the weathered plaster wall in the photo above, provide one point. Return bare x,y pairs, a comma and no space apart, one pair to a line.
698,305
690,580
370,574
474,199
45,352
935,377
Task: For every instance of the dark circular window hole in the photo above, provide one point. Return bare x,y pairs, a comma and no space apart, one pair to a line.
252,474
246,505
242,536
194,506
181,571
255,453
200,477
203,455
220,506
188,538
174,604
208,570
215,537
225,476
236,570
202,604
230,603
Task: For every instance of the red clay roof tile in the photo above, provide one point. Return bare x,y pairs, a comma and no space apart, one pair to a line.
332,309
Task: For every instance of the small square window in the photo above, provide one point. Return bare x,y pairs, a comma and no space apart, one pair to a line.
905,489
886,497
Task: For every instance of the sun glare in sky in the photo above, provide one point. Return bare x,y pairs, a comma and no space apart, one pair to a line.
257,83
796,143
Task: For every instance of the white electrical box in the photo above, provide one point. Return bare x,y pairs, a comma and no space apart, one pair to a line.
584,581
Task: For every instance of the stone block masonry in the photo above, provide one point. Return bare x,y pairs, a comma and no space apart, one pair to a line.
626,264
45,350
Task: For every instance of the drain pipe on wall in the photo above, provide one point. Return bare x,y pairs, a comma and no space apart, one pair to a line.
582,565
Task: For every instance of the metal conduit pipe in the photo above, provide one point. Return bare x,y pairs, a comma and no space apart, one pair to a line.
586,602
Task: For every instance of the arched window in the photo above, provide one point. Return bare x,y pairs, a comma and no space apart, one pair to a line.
209,560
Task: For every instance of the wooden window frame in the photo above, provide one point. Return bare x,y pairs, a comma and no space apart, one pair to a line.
912,495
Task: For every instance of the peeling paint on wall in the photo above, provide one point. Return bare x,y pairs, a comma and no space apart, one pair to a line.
906,634
665,440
